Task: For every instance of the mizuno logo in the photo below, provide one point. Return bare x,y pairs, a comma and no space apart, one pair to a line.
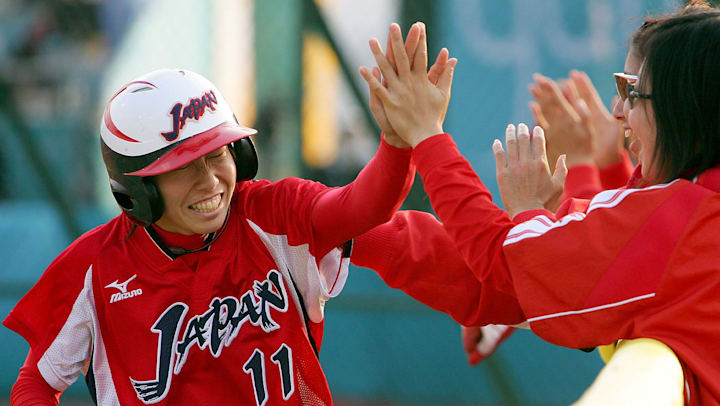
123,288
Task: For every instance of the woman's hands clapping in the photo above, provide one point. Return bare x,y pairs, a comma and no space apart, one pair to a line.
524,176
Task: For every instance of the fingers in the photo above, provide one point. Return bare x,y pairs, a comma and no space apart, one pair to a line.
376,88
444,83
569,90
390,55
412,41
376,73
561,170
538,114
523,137
421,59
388,72
439,66
550,97
586,90
583,111
401,58
511,143
538,144
499,153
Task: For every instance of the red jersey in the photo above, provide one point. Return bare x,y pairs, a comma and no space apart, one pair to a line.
630,263
238,323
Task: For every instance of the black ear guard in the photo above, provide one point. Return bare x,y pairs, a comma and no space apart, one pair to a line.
246,160
145,207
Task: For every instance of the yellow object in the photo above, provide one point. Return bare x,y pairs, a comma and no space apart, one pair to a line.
321,80
607,351
642,371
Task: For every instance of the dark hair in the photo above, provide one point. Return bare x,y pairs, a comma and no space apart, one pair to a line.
680,72
639,40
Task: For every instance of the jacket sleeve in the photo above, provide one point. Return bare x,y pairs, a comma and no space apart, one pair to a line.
413,253
590,273
581,278
616,175
474,223
582,182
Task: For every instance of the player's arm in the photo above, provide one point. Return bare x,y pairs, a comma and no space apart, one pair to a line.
371,199
55,317
413,253
30,388
383,184
641,372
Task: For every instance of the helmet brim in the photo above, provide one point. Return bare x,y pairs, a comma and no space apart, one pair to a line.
194,148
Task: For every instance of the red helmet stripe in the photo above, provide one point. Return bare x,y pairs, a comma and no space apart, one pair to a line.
108,120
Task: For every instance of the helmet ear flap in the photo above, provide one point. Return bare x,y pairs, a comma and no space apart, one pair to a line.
122,196
155,202
246,161
144,209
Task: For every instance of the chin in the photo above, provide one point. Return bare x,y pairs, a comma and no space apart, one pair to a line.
209,226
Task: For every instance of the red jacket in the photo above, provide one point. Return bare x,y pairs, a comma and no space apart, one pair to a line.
630,263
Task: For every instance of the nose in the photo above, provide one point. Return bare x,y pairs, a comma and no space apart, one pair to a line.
617,108
206,177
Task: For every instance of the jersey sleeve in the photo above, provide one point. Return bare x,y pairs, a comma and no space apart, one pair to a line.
370,200
413,253
55,316
30,388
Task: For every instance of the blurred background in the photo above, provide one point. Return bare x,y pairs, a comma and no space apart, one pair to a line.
289,68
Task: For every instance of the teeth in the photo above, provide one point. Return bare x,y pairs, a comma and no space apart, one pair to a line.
208,205
628,133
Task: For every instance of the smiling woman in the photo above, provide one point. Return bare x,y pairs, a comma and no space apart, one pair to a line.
202,249
197,195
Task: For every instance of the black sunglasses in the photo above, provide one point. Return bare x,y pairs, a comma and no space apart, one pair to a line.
625,85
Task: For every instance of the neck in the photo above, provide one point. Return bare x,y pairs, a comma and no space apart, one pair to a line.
187,242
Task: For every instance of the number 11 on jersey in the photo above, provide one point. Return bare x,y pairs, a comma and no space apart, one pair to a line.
255,367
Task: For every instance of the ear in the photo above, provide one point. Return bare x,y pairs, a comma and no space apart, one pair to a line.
246,160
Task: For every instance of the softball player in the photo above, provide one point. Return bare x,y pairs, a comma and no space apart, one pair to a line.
209,288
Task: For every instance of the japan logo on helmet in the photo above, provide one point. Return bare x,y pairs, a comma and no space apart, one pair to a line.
159,122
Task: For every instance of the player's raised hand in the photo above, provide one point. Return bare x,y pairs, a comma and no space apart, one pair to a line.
524,176
608,138
566,119
415,100
376,107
